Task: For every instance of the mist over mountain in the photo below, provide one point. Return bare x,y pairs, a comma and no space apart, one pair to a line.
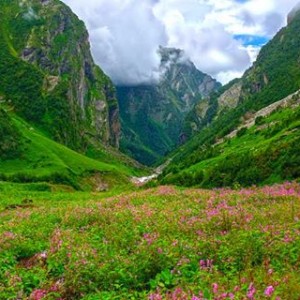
152,115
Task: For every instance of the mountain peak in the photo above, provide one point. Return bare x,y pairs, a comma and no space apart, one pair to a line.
172,55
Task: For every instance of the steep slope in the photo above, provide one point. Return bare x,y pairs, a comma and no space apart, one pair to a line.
152,116
274,76
10,142
48,74
52,93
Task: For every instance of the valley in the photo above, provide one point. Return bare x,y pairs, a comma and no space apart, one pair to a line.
177,187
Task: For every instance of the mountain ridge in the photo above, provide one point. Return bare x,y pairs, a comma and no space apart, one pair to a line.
49,42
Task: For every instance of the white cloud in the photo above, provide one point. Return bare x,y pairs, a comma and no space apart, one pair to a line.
126,34
125,37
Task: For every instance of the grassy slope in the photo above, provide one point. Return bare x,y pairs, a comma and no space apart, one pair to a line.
266,153
46,160
149,243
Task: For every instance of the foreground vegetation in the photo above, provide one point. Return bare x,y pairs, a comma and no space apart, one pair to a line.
160,243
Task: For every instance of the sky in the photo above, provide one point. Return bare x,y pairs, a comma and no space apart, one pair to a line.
221,37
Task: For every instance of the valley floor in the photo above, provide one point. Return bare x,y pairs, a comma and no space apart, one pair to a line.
159,243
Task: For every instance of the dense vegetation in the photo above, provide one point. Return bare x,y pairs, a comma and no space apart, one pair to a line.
11,141
151,244
48,76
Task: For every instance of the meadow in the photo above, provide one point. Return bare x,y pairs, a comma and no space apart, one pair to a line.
157,243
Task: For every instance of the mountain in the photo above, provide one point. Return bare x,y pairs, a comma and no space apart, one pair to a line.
152,115
53,95
46,55
224,149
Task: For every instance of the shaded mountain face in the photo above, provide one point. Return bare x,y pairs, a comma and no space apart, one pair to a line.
48,76
221,117
152,115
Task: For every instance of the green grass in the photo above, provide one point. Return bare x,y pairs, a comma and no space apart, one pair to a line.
45,160
161,243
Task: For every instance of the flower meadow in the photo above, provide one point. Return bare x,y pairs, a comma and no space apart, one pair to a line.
157,243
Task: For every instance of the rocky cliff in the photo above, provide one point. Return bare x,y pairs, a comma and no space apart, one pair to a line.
153,115
57,84
212,107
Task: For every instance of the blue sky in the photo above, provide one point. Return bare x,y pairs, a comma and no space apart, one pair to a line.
251,40
221,37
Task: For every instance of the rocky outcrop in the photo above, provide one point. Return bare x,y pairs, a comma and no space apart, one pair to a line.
230,98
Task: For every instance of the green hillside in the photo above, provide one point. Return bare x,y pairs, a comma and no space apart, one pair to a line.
42,160
264,153
49,77
245,160
52,94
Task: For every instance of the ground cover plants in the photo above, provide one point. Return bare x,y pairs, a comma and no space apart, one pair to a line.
158,243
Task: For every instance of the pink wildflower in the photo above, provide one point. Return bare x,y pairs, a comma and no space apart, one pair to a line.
236,288
251,291
155,296
38,294
215,288
206,264
269,291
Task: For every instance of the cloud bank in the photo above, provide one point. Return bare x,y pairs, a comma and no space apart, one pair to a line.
222,38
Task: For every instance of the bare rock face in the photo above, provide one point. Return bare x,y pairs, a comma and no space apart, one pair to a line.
230,98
